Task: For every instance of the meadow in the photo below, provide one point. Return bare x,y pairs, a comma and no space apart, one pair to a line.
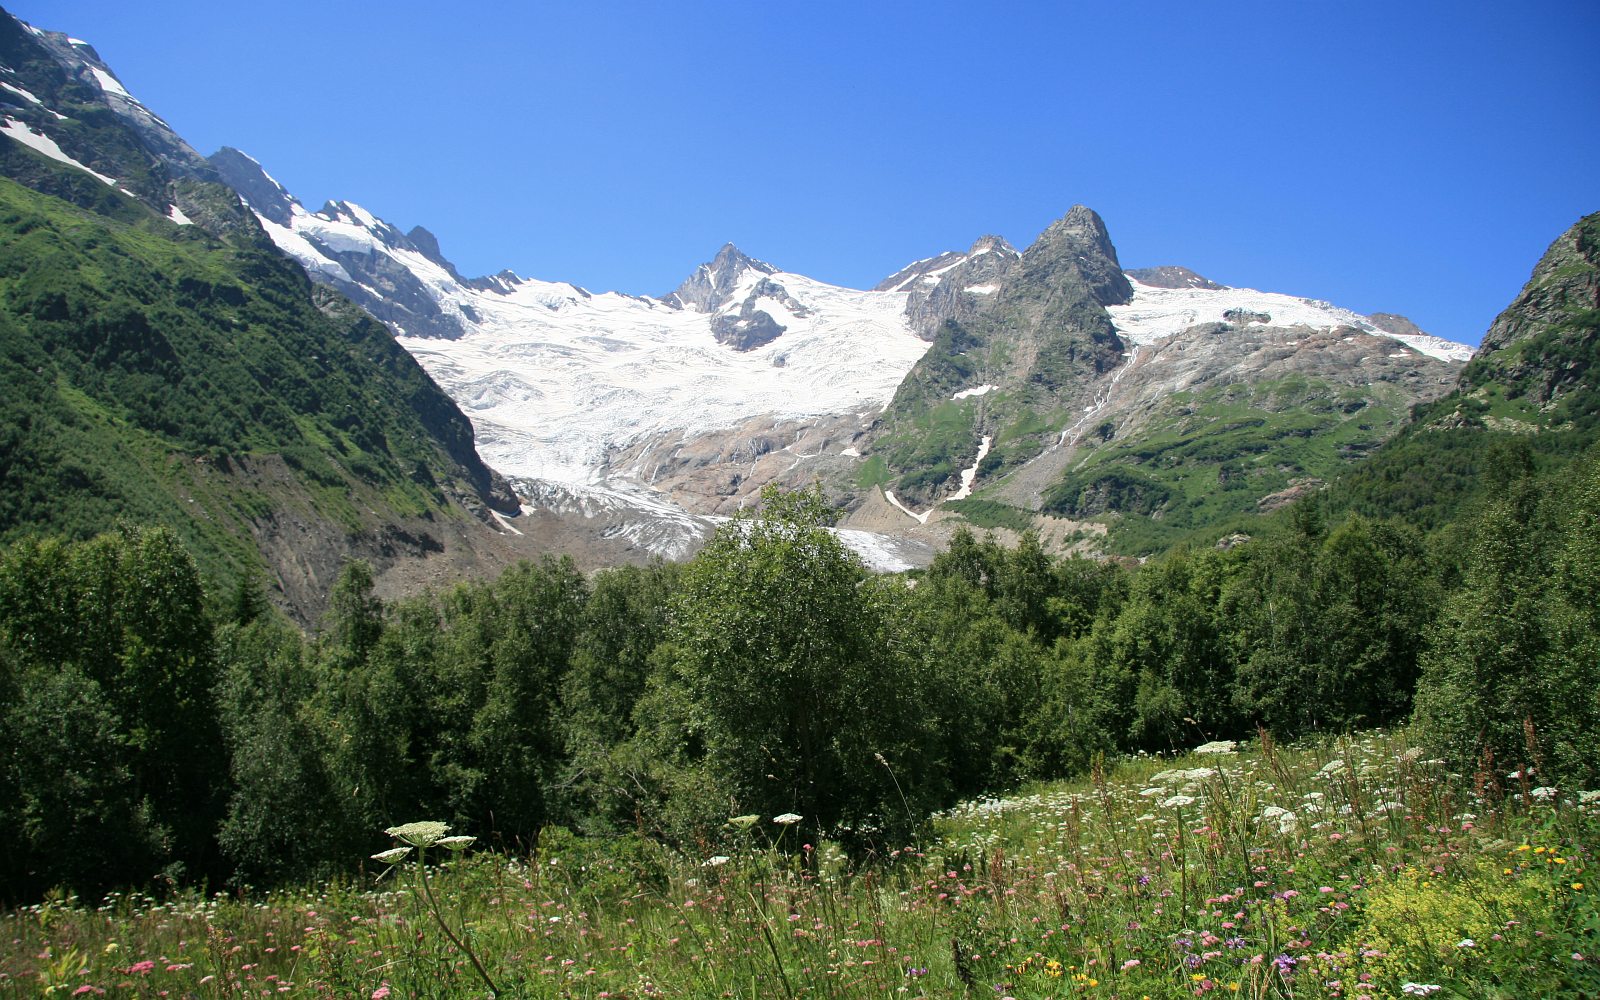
1334,868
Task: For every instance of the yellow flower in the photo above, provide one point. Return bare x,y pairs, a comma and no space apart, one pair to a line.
1577,885
1506,872
1525,847
1233,987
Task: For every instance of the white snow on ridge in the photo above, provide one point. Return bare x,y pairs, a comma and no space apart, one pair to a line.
176,215
46,145
978,390
1157,313
109,83
554,380
297,246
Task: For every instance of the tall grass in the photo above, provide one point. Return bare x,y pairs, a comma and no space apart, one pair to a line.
1347,868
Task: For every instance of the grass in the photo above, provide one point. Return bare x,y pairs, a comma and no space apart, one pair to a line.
1207,458
1347,868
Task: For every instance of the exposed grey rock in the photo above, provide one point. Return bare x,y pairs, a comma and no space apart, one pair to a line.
1081,234
1240,317
1172,276
903,279
753,326
265,195
712,284
959,288
1396,324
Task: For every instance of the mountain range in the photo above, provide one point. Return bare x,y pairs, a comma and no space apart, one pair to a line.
1047,389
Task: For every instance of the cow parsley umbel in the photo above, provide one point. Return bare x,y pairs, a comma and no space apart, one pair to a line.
421,836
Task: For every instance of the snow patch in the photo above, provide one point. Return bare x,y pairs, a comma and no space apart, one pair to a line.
850,453
176,215
1157,313
291,242
919,518
109,84
981,289
981,390
970,474
46,145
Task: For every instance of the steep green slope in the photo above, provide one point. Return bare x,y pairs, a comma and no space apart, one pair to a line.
1041,335
1529,398
155,372
1211,459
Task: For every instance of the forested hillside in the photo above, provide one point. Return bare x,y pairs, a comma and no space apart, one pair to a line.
770,674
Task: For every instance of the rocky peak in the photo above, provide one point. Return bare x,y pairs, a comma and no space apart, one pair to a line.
1546,342
1172,276
957,286
712,284
1078,241
241,172
427,244
991,243
1396,324
89,80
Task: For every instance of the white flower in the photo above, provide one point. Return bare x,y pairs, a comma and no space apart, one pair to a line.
787,819
1544,793
1332,767
424,834
712,862
1178,801
1466,943
1420,989
1218,746
392,856
456,843
1153,791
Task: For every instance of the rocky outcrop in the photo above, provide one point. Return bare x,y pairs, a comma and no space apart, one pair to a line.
712,285
1544,345
960,288
1172,276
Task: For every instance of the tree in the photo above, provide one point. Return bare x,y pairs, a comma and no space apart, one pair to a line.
789,680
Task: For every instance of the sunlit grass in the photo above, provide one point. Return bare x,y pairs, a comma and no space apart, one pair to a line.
1344,868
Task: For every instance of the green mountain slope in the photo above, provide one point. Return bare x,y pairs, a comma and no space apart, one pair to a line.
1529,397
155,372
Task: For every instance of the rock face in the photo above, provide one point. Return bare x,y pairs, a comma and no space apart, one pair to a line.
712,285
1396,324
952,286
1543,346
1172,276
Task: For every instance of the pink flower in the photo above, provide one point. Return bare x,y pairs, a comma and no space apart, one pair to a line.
142,968
381,993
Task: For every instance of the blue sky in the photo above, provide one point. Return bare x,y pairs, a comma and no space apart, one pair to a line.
1404,157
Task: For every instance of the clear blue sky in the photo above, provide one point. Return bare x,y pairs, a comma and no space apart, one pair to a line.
1406,157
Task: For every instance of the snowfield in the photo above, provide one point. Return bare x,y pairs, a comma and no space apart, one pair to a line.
1157,313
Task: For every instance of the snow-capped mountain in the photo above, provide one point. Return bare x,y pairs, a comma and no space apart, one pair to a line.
557,379
747,373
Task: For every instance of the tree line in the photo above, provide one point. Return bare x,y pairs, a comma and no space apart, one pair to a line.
150,734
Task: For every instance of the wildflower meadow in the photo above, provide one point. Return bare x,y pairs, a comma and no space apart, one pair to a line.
1348,868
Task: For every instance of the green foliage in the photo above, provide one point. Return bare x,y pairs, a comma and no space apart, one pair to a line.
991,513
1512,678
787,679
1205,460
145,366
110,636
